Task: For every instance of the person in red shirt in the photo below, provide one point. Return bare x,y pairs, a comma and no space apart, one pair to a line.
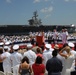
38,67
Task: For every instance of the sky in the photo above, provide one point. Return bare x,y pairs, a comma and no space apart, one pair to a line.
51,12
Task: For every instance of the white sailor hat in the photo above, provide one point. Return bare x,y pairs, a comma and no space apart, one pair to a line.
48,46
70,44
5,47
15,47
29,45
1,43
7,43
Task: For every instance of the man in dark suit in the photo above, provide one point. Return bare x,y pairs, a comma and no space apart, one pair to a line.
54,65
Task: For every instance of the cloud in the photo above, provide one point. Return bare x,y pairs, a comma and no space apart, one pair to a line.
47,10
48,15
8,1
36,1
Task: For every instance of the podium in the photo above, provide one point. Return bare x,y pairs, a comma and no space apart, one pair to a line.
40,40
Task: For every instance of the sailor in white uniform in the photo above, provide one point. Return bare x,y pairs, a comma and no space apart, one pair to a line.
30,54
6,60
16,59
64,36
55,36
47,53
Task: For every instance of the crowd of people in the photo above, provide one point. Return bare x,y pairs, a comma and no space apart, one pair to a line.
35,59
50,36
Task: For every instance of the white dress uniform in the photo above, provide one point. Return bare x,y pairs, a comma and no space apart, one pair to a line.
16,60
47,54
31,56
55,35
64,37
6,62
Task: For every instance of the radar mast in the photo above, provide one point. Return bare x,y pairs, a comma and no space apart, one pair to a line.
35,21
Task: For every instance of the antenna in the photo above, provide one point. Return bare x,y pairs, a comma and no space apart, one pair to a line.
35,21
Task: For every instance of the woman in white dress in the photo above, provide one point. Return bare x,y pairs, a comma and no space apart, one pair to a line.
68,58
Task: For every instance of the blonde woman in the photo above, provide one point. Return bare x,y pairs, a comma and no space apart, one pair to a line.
68,58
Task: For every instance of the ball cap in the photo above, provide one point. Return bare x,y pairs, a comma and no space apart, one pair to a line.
15,47
70,44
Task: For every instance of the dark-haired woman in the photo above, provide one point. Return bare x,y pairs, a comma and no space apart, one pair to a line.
38,67
25,68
